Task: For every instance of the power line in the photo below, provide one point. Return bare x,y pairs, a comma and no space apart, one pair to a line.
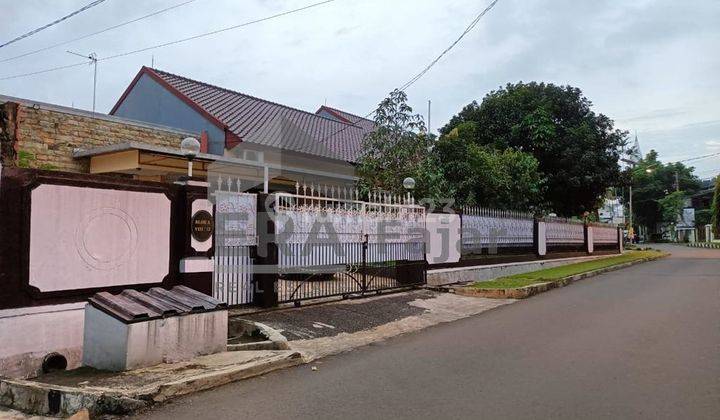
55,22
206,34
685,160
462,35
708,171
202,35
429,66
699,157
47,70
157,12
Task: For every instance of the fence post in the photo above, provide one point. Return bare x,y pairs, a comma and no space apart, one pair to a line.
266,280
588,237
364,262
539,239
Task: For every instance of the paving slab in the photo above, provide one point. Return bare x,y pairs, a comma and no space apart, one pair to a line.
322,330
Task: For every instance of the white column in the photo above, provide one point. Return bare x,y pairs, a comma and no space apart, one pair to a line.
542,240
266,180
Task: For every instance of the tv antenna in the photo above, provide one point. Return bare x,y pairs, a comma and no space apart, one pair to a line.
93,60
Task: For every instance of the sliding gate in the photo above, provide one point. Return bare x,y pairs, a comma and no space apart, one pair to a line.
235,240
336,245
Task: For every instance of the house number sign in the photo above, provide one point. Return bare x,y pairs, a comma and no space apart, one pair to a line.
202,226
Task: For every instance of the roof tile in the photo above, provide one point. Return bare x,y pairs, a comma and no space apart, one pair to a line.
259,121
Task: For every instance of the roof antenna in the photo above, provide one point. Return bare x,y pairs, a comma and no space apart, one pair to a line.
93,60
326,101
152,61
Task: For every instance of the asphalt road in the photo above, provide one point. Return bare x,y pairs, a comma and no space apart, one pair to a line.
642,342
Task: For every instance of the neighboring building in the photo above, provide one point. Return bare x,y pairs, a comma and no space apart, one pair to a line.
703,198
45,136
612,211
346,117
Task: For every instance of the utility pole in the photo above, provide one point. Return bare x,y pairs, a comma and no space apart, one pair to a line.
428,119
93,60
677,181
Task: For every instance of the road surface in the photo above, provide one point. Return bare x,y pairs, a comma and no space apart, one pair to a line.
642,342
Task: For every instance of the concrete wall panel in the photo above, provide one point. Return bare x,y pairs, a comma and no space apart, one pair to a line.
87,237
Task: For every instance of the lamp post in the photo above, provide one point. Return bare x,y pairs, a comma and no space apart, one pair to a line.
409,185
190,147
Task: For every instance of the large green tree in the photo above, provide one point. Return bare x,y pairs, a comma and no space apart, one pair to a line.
577,150
400,148
652,182
481,175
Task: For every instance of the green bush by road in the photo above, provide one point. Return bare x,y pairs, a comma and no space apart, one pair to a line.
557,273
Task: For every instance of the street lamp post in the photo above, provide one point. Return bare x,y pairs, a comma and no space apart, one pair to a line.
409,185
190,147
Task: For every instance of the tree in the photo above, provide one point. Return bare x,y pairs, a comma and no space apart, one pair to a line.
400,148
715,208
671,206
577,150
652,181
481,175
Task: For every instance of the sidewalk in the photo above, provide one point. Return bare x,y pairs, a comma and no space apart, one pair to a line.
65,393
321,330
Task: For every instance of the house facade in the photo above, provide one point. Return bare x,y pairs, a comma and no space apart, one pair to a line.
288,144
90,201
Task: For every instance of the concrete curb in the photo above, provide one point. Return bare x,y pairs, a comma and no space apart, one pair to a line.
211,380
274,340
709,245
534,289
56,400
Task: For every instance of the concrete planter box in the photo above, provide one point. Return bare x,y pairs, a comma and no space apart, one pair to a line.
134,330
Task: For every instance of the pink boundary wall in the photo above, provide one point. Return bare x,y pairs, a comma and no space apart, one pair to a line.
88,237
69,251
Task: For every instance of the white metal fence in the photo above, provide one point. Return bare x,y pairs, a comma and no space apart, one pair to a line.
328,226
604,233
483,228
235,234
561,231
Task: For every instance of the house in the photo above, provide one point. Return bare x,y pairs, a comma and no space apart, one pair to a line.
271,145
67,235
288,144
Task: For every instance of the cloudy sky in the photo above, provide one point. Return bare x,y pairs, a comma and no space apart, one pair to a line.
651,65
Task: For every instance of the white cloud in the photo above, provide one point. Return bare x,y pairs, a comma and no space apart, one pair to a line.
648,64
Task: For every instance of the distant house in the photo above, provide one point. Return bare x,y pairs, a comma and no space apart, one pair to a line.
612,211
702,199
288,143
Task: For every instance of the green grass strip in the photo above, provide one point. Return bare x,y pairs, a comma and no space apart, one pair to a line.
557,273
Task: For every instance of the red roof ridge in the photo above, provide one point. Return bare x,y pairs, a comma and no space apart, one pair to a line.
345,112
234,92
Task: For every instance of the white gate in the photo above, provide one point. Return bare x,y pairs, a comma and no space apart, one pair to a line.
235,235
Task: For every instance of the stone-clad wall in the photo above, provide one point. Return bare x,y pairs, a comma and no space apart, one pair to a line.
44,136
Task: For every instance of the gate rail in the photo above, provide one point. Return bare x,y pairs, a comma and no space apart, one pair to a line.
332,243
297,284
